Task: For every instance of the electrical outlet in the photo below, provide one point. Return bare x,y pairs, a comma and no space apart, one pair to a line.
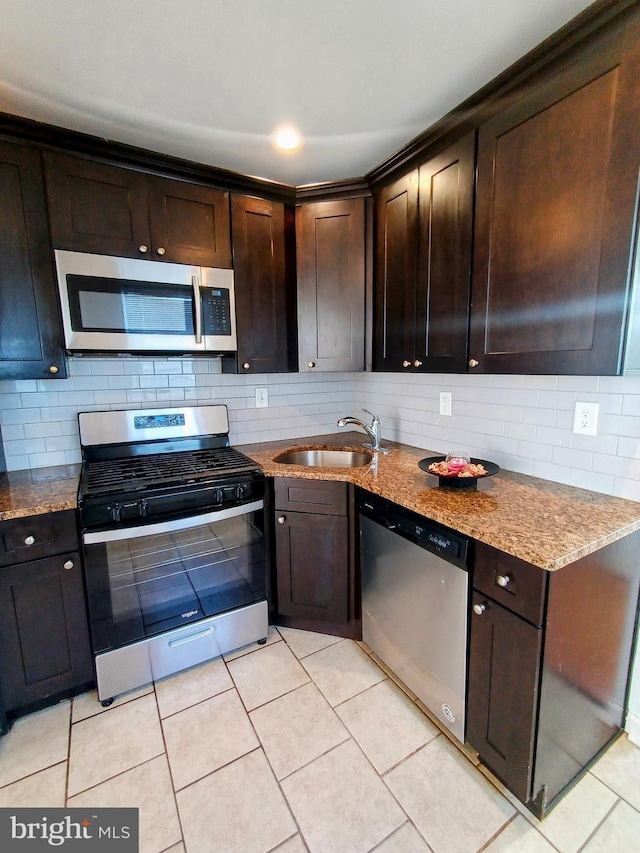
585,418
445,402
262,398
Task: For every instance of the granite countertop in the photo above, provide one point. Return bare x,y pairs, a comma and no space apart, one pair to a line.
547,524
40,490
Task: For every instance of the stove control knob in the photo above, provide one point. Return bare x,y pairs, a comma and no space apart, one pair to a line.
116,512
143,508
241,490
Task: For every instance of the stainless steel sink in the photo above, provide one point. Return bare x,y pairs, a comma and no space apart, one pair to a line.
326,458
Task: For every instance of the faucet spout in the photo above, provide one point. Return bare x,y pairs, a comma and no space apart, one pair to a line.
372,431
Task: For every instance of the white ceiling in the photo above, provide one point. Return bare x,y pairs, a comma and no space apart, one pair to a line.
210,80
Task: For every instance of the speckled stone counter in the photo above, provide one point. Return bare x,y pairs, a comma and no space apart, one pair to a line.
544,523
40,490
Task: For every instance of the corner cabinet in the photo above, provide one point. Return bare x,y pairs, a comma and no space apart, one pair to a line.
264,266
315,577
45,653
31,343
330,248
423,260
105,209
556,197
549,660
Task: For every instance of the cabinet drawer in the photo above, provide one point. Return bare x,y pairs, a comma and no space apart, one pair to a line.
36,536
518,586
319,496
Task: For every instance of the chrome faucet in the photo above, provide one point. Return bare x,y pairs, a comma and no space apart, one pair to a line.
372,431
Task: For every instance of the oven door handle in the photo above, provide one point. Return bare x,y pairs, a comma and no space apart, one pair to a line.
197,306
99,537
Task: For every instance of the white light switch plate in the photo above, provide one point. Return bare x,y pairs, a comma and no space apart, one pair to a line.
262,398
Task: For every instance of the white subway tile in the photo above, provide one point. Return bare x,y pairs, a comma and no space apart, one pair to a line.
108,398
596,443
49,385
44,460
629,489
182,381
39,399
90,383
581,459
578,383
107,367
17,463
617,466
621,425
121,382
19,416
137,367
20,447
542,383
594,482
40,430
14,432
517,464
549,471
557,400
538,417
551,435
533,450
79,367
62,442
75,398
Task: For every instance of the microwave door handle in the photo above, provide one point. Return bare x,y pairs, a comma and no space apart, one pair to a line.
197,304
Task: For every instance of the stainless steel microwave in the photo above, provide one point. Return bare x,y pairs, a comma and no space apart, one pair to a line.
129,305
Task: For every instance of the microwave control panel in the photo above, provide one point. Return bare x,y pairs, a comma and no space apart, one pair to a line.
216,314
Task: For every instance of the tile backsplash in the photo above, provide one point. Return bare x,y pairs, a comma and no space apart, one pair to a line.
523,423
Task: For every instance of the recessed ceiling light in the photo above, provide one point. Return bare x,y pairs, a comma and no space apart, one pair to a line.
287,138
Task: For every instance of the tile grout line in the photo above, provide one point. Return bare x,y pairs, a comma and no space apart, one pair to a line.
601,824
166,754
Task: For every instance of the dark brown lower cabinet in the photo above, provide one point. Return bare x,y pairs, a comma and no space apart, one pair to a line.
45,652
314,550
548,666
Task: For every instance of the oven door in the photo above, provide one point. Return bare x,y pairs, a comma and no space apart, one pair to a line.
146,580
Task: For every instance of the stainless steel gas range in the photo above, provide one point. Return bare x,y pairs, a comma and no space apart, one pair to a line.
172,524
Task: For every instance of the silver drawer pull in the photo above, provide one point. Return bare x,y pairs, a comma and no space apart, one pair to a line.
68,565
30,540
503,580
199,635
479,609
282,519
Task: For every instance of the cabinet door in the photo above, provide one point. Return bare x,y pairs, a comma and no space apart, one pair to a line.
396,217
189,223
31,345
444,258
557,178
43,630
330,246
312,556
265,312
95,207
504,666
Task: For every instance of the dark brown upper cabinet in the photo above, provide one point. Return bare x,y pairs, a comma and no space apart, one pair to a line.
31,345
330,250
556,194
423,259
105,209
264,267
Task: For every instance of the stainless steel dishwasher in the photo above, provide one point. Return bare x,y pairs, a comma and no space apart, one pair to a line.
415,590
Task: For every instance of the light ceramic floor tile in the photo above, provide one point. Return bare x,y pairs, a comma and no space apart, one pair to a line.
266,674
272,637
296,728
619,768
407,839
576,816
35,742
520,837
303,643
46,789
88,705
386,724
454,807
147,788
206,736
620,833
340,802
294,845
115,741
176,848
237,809
342,671
191,686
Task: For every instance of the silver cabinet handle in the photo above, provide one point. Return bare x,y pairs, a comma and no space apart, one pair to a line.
479,609
53,369
473,362
503,580
68,565
161,251
143,249
406,363
282,519
311,364
417,363
197,305
30,540
246,365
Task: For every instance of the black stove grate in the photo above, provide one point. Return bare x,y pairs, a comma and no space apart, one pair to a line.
164,468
